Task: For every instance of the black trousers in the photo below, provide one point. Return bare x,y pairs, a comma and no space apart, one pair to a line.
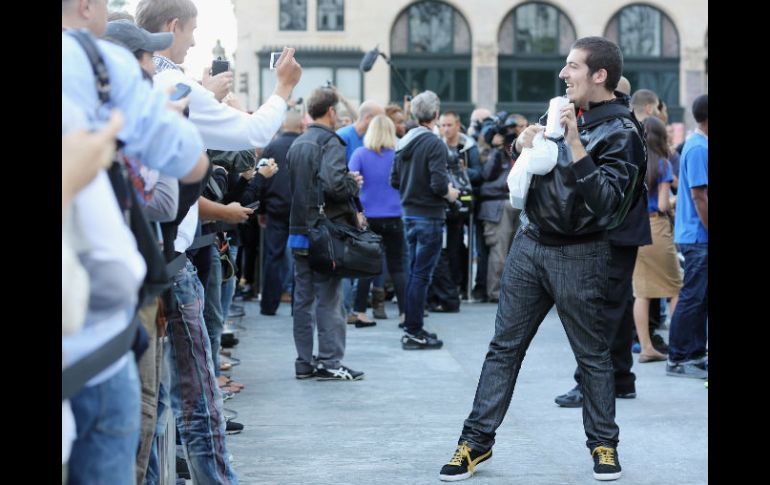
618,316
274,263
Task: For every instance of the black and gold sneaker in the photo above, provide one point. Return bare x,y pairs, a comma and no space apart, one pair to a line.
606,464
463,463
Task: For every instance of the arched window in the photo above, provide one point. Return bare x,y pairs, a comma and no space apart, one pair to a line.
430,44
650,45
533,42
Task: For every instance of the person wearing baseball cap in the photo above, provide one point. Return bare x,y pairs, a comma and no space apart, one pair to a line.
140,42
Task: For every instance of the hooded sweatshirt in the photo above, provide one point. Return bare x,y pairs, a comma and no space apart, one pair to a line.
419,173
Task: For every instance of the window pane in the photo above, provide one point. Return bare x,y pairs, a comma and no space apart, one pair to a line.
504,85
505,38
462,37
566,35
640,31
267,83
462,85
430,27
331,15
437,80
400,36
535,29
670,39
535,85
293,15
312,78
349,84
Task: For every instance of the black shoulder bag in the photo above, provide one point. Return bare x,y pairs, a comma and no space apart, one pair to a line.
342,250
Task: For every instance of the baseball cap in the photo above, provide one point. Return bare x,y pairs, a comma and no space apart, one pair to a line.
136,38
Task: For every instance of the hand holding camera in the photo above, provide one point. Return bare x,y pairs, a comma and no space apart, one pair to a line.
288,71
218,80
267,167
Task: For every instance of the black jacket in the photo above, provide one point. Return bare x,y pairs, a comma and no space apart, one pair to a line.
419,173
578,199
318,155
274,193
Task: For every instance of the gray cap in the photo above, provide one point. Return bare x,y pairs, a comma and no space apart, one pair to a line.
136,38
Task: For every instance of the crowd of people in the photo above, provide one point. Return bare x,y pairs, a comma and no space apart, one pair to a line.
174,209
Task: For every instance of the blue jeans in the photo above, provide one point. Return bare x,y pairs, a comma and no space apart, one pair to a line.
687,335
212,308
107,417
228,288
195,396
536,276
152,476
423,238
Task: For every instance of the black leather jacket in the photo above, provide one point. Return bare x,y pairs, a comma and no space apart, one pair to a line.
319,155
582,198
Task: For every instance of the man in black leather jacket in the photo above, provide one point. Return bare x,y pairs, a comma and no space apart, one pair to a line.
560,256
317,169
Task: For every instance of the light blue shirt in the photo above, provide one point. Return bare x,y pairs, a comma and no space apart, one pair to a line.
352,140
693,172
152,133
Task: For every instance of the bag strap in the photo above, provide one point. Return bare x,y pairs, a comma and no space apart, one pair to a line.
74,377
320,199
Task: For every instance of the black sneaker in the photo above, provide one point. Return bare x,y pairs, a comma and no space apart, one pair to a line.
659,344
606,464
402,326
463,463
341,373
422,340
305,374
233,427
572,399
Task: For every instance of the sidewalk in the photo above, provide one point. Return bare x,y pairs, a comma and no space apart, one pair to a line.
401,423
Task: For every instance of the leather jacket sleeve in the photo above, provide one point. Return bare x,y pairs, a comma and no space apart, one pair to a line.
603,182
337,185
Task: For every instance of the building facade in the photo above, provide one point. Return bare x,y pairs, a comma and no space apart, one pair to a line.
495,54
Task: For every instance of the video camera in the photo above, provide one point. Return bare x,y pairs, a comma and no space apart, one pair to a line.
500,124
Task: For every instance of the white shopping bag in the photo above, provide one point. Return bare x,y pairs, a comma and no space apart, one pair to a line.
538,160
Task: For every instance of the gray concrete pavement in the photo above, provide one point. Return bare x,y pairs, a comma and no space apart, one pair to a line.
401,423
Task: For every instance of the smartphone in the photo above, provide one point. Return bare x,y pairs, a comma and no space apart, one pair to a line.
219,65
253,205
262,162
274,56
182,90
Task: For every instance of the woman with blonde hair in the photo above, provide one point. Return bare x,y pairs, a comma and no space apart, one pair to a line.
657,273
382,207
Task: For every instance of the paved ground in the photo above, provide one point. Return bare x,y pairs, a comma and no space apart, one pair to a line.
400,424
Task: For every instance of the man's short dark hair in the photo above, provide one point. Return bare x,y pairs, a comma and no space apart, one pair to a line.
319,102
453,114
604,54
700,108
643,97
152,15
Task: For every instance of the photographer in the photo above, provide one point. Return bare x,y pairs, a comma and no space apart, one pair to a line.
463,169
500,219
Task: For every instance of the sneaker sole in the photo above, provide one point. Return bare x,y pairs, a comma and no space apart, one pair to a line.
674,374
233,432
607,476
420,347
463,476
304,376
570,405
339,379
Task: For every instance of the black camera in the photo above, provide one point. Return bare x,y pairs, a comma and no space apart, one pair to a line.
500,124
